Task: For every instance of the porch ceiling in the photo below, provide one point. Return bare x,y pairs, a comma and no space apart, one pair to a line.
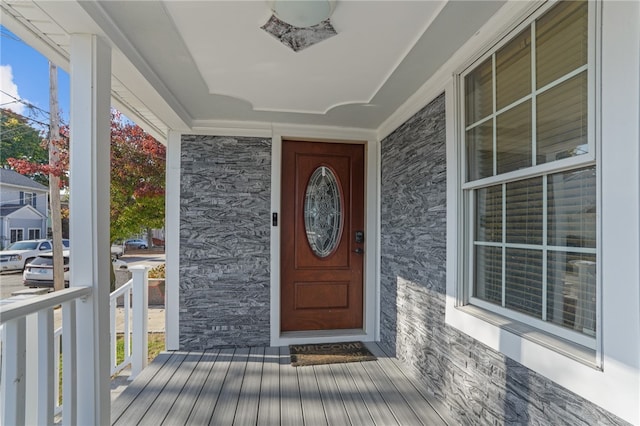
198,64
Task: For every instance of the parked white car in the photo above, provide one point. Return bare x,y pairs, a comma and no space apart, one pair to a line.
39,272
18,254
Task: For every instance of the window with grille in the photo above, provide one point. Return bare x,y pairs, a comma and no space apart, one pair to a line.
28,198
34,234
17,235
530,187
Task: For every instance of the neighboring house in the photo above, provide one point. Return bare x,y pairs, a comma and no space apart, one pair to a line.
477,210
23,208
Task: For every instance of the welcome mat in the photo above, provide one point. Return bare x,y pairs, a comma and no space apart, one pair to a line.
329,353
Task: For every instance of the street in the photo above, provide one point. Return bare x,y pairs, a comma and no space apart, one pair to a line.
12,281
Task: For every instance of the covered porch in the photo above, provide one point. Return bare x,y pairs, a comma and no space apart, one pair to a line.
415,87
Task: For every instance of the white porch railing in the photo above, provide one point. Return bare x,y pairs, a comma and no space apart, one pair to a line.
30,351
134,320
123,292
28,357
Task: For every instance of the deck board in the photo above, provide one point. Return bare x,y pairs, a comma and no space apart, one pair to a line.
124,400
375,403
247,410
152,390
394,399
165,400
353,401
269,406
259,386
414,393
290,404
206,402
191,391
312,408
225,409
331,399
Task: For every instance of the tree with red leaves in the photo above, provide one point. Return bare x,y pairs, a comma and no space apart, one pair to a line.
18,139
25,150
137,176
137,180
27,167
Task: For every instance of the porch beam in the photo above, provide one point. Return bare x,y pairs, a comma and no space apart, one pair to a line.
89,220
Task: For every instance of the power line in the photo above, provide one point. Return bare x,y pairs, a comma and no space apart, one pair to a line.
42,123
16,132
23,102
9,103
14,201
31,107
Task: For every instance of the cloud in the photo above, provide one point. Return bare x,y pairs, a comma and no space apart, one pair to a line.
9,87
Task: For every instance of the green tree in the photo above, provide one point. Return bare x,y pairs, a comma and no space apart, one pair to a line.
137,177
21,141
137,180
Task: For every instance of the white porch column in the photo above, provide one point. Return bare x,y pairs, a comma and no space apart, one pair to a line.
89,220
172,242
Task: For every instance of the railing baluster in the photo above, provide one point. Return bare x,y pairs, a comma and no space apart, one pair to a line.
127,324
32,359
69,364
113,301
39,359
45,382
57,337
13,372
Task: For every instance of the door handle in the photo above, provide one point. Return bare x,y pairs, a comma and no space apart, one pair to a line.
358,251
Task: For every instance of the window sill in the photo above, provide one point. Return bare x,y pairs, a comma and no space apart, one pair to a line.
564,347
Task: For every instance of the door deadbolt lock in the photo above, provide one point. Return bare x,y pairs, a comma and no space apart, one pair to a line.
359,237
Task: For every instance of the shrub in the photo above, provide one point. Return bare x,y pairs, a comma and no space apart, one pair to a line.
157,272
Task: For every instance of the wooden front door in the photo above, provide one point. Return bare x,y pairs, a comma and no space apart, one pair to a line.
322,248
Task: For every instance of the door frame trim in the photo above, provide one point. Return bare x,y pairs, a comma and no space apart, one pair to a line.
371,281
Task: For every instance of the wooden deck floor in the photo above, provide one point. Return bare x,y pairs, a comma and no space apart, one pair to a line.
258,386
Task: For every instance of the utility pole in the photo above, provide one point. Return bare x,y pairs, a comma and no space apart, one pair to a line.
54,181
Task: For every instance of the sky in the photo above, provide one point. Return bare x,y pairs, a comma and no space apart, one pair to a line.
24,74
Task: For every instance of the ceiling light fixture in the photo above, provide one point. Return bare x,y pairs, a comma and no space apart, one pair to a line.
302,13
299,24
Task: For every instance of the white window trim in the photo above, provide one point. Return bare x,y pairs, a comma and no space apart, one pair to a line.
542,171
27,198
34,229
615,385
17,230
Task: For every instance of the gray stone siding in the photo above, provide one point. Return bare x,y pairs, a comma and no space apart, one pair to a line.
479,385
225,202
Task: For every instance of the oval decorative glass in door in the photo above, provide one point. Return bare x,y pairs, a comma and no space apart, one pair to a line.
323,212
